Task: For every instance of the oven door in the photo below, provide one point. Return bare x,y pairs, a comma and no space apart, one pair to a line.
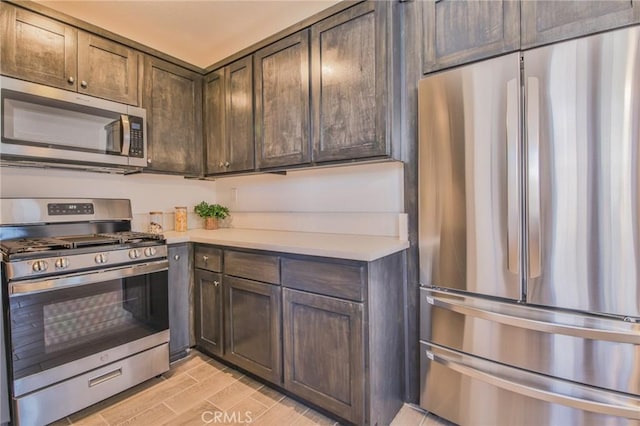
62,326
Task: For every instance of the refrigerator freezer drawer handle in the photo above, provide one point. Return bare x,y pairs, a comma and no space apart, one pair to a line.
533,171
626,407
513,202
622,336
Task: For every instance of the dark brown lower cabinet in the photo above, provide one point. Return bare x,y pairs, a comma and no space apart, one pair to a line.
208,311
252,327
324,353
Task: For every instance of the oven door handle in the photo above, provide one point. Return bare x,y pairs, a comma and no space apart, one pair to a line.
54,283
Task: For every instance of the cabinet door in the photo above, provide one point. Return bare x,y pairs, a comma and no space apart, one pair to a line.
349,84
252,327
456,32
179,299
208,311
548,21
324,355
173,98
282,102
214,122
37,49
107,69
239,115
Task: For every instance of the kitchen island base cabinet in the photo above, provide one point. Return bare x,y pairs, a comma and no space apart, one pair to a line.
208,311
324,353
252,327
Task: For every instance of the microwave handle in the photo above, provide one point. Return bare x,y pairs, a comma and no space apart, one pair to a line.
126,134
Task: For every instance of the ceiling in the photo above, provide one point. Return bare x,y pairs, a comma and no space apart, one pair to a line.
200,32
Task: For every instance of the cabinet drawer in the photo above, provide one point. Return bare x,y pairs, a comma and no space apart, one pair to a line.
257,267
346,281
209,258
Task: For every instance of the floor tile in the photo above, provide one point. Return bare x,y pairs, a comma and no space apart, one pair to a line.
136,404
153,416
234,393
267,396
200,414
283,413
183,401
408,416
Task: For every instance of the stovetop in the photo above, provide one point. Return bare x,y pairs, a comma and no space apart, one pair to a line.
35,245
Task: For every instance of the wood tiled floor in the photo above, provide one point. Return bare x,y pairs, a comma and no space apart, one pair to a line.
199,388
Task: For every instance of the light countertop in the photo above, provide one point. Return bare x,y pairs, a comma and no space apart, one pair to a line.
343,246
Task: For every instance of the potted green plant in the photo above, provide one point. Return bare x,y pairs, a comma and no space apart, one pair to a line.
211,213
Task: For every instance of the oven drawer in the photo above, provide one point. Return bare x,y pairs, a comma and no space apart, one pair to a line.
209,258
468,390
69,396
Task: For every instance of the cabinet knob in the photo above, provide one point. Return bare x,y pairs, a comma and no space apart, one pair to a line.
216,283
71,80
221,164
149,160
176,257
205,258
226,164
83,84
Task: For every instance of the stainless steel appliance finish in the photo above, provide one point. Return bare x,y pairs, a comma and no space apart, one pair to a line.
45,124
72,395
464,243
86,301
530,236
584,209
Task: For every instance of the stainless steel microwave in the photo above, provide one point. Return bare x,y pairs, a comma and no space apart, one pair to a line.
49,125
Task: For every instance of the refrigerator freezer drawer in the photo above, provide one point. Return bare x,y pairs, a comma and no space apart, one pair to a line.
582,348
472,391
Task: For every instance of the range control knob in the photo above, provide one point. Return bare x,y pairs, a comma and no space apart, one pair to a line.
101,258
40,266
134,254
62,263
150,251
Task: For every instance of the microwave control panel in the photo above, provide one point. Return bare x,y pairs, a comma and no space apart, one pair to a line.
136,149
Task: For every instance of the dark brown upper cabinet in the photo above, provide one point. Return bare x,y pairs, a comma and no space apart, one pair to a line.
349,84
43,50
228,110
456,32
548,21
281,77
172,96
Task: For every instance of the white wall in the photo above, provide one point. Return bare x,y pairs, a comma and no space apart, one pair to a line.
147,192
357,188
360,199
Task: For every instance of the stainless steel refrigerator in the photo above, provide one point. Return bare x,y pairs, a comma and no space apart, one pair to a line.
529,200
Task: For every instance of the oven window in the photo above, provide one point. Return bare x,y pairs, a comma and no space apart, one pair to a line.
55,327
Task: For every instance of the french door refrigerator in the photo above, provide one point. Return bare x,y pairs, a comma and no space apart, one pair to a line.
529,236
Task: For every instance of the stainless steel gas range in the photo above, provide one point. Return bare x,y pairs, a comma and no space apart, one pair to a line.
84,302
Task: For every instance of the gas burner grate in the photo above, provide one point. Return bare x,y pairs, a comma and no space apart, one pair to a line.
133,237
30,245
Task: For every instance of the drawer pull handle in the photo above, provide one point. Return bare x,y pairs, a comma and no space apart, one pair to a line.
105,377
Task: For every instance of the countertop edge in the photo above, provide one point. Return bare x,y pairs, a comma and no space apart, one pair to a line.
385,247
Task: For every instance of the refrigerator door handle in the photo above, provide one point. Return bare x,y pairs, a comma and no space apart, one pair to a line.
533,170
513,202
534,319
537,386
